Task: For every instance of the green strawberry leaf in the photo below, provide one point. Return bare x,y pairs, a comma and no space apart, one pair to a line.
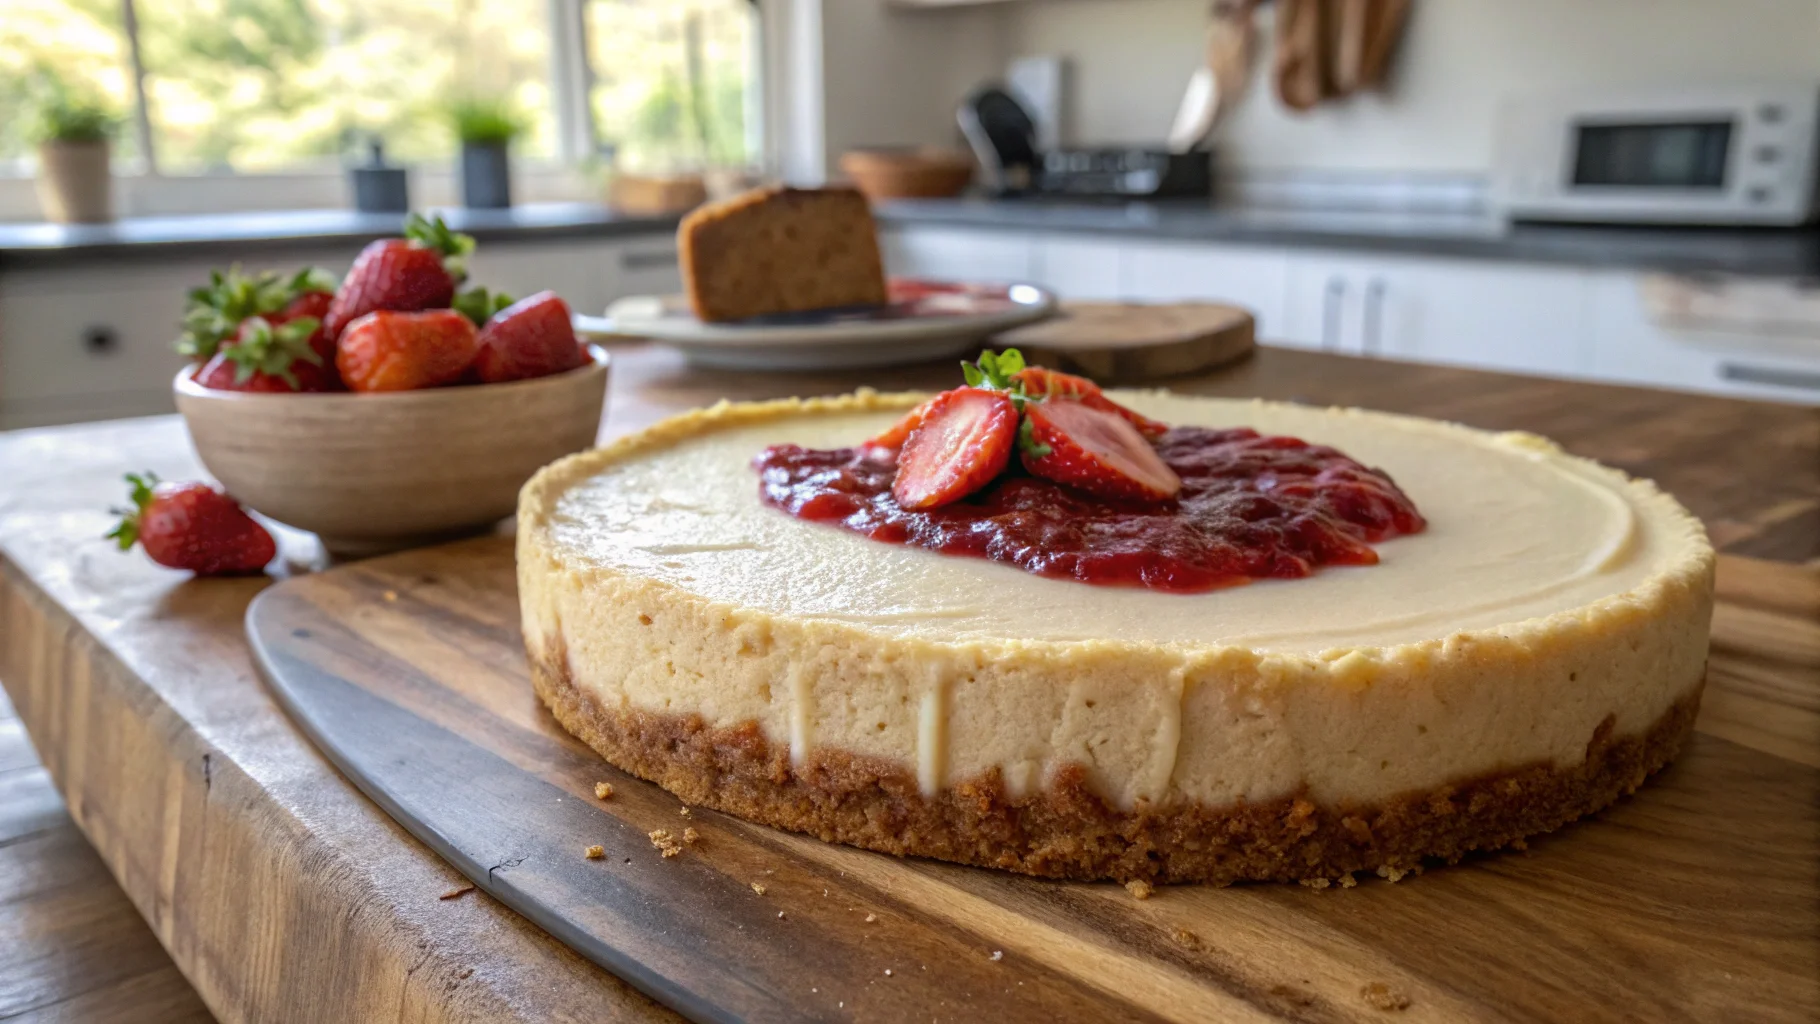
214,312
126,532
274,351
432,233
1027,442
478,305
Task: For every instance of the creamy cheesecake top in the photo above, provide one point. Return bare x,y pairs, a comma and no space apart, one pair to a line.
1516,530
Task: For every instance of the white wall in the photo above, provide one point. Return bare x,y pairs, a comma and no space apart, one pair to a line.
1130,60
894,75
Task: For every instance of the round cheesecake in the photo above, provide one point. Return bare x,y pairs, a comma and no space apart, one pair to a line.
1530,656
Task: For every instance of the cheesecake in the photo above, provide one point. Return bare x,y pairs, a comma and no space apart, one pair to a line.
1525,650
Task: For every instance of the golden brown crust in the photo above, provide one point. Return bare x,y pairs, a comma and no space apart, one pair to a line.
1065,831
781,250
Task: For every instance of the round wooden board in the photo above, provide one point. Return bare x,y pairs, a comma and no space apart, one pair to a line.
1126,342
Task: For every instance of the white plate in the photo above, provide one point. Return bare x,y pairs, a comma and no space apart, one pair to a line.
924,320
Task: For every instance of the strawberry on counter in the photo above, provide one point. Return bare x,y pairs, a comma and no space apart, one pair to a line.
192,526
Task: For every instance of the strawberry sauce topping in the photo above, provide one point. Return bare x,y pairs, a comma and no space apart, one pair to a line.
1250,506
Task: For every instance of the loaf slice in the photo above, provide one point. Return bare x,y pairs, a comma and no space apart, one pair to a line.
781,250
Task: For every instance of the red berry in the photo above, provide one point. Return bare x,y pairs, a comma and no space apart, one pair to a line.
1042,382
965,439
270,358
533,337
390,274
1095,450
391,351
193,526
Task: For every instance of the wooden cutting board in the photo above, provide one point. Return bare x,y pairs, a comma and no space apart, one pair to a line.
1695,899
1119,343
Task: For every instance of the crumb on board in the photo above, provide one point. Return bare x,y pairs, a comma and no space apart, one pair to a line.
457,892
690,835
1184,937
780,915
887,972
603,790
759,888
1140,888
1380,996
1316,883
684,811
595,852
1348,882
871,918
391,595
997,955
1394,874
666,843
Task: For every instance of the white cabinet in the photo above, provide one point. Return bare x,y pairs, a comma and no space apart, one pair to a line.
1254,278
1500,316
1077,267
588,273
1631,348
960,254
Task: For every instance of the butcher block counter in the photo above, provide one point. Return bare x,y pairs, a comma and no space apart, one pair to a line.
281,893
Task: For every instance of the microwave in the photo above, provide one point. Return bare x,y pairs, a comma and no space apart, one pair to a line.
1730,154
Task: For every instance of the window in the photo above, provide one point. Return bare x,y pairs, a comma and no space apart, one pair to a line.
672,82
293,85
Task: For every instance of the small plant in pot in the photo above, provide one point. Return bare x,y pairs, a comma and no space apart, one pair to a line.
486,128
73,132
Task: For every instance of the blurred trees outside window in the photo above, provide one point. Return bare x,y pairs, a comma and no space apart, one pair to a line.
673,81
294,85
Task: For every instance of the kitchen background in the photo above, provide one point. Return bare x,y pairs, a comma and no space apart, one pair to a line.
1368,224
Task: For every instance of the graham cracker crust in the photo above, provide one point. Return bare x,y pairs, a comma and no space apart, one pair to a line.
1066,831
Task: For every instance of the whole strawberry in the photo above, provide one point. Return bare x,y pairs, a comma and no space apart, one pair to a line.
417,272
192,526
270,358
392,351
533,337
214,313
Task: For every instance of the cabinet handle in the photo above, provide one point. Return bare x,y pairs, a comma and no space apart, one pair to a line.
1330,313
1372,338
100,340
1747,374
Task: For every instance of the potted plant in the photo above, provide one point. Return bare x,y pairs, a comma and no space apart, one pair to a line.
73,181
486,128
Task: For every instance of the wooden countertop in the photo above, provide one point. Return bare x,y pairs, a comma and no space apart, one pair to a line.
280,892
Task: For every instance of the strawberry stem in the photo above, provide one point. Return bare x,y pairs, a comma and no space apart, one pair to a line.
126,532
478,305
996,371
432,233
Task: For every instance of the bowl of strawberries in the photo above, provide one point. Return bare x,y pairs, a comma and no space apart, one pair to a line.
392,409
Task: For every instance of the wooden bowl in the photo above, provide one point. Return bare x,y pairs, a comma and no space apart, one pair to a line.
370,473
920,173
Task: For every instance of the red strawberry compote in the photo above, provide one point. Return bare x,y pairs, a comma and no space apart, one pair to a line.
1251,506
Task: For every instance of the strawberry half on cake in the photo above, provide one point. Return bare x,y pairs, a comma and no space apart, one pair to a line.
1034,625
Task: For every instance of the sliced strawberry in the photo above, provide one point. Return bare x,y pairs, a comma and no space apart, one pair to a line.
964,440
1042,382
533,337
900,431
394,351
1095,450
417,272
192,526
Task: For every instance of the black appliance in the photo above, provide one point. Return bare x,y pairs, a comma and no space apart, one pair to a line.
1003,136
